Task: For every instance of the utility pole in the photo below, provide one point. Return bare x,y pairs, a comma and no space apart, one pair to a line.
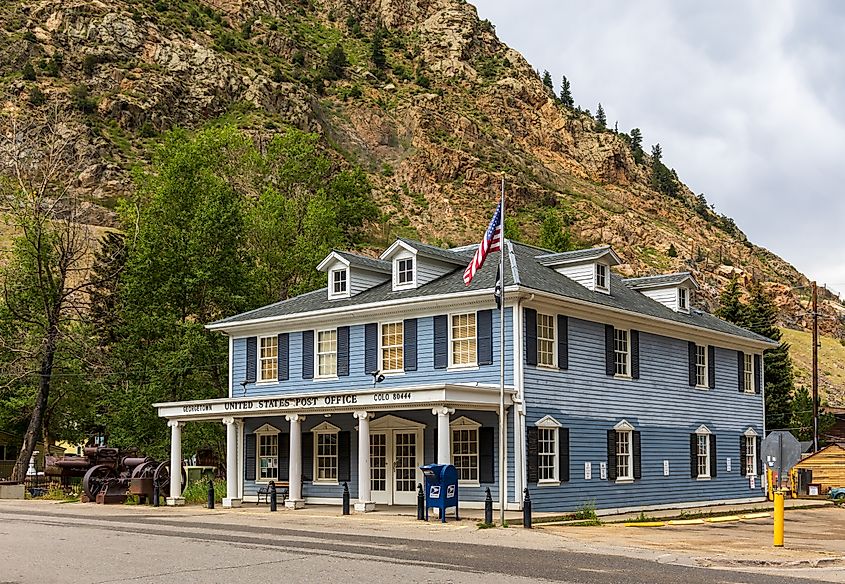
815,368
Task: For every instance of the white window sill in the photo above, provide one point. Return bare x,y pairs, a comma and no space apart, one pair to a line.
704,387
547,367
752,392
393,373
703,478
624,480
265,481
267,382
469,484
326,378
548,483
623,377
470,367
325,482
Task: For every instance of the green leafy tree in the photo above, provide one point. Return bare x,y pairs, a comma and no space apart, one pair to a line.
566,93
601,118
547,81
801,422
554,233
336,63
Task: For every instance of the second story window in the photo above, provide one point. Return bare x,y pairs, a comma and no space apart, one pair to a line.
749,373
339,282
683,299
463,339
392,344
405,272
701,365
545,340
327,353
601,277
269,359
622,352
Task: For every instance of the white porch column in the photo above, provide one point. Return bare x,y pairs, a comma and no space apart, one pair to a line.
231,499
175,497
295,500
444,454
365,502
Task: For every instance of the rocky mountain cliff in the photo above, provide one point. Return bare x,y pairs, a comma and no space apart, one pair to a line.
448,112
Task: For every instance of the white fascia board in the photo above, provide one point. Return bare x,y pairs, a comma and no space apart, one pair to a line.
418,306
330,260
390,251
667,328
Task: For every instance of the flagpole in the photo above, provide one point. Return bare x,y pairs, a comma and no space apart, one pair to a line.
503,476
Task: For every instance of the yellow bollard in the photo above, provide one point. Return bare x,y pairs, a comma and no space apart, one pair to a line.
770,484
778,540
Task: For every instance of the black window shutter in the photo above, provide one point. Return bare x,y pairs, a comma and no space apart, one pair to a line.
370,347
530,336
609,354
486,458
284,457
484,334
284,357
714,458
441,341
251,358
307,354
611,453
409,341
307,456
249,457
740,364
635,354
562,342
743,453
693,455
638,457
711,366
563,456
692,368
344,456
343,351
533,454
758,374
759,459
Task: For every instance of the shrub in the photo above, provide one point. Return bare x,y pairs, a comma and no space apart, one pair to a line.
298,59
28,72
89,64
423,81
587,511
672,253
82,100
36,96
197,492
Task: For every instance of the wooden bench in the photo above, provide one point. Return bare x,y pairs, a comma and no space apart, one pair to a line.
281,492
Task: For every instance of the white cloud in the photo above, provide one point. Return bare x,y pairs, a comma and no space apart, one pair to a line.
744,98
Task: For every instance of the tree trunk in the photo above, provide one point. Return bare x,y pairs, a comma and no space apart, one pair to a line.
33,431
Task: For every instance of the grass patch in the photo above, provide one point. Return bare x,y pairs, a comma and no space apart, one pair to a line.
482,525
643,518
197,492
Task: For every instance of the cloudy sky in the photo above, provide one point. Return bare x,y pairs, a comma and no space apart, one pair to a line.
747,99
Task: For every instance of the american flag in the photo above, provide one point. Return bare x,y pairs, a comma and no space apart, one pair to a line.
492,242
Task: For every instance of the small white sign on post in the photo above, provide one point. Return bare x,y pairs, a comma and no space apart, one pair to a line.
753,481
728,462
588,471
603,470
665,468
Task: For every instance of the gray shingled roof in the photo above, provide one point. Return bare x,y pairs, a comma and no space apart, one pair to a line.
532,275
452,256
365,262
657,281
578,255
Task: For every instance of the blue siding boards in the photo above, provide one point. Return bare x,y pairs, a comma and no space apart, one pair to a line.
660,405
359,376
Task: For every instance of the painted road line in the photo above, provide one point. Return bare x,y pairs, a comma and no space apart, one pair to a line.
646,524
756,516
687,522
724,519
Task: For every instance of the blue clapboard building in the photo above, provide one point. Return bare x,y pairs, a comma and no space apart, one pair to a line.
619,392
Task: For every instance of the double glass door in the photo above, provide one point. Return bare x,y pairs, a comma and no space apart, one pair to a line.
395,457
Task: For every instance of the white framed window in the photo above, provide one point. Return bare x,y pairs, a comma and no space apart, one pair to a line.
404,272
267,455
748,372
339,283
465,450
702,452
325,453
392,347
327,353
624,455
683,299
622,352
701,366
463,340
601,277
548,451
268,358
545,340
750,462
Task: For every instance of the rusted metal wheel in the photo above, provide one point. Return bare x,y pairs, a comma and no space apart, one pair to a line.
95,479
161,477
145,470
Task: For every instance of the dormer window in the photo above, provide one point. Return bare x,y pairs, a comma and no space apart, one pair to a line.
683,299
339,283
601,277
404,273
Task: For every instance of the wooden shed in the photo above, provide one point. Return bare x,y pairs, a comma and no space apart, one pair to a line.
827,466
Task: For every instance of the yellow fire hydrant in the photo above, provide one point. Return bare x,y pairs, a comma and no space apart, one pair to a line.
778,539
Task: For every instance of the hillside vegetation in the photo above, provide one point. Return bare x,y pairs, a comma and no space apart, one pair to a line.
831,364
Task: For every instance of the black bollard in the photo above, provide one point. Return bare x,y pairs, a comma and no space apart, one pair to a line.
345,499
488,508
155,493
420,503
272,489
211,494
526,510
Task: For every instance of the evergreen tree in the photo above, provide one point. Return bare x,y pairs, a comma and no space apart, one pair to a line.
637,145
601,119
554,234
663,179
336,63
656,154
731,308
801,423
566,93
672,252
547,81
377,55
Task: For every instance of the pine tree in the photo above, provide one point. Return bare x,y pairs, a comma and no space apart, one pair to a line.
547,81
566,93
656,154
336,63
731,308
637,145
672,252
601,119
377,55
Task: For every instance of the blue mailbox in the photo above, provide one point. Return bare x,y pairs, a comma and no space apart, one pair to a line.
441,488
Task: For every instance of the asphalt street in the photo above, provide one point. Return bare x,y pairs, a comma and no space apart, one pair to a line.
42,546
